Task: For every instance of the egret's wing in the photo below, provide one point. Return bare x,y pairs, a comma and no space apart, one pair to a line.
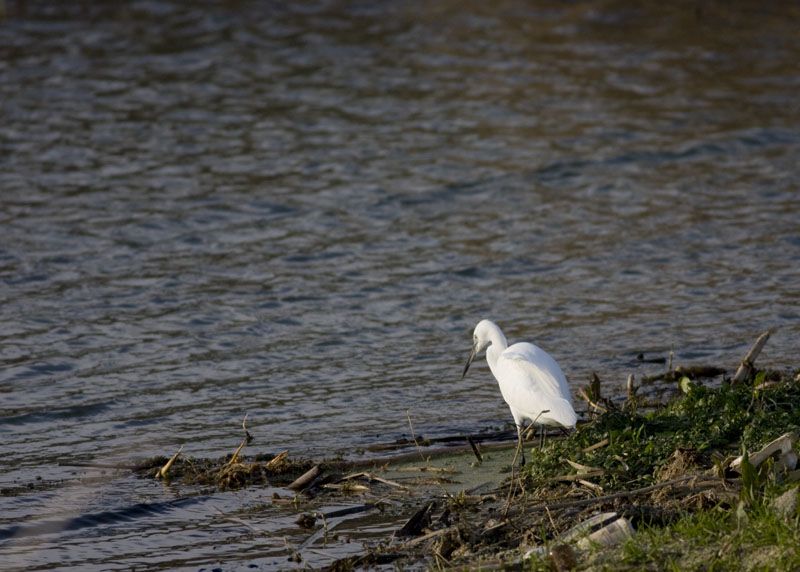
531,382
528,400
547,411
539,368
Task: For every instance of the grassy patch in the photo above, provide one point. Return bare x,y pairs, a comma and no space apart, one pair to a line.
664,473
735,526
708,423
716,539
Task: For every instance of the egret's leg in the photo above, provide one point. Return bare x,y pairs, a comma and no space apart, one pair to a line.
514,482
541,438
519,452
516,451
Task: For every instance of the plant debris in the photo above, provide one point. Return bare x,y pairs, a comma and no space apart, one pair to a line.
629,489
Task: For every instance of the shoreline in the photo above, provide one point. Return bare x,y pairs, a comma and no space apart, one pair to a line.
708,479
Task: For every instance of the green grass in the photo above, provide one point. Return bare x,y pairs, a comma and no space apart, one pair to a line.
704,421
716,539
741,532
709,540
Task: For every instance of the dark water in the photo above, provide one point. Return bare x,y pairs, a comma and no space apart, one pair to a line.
300,212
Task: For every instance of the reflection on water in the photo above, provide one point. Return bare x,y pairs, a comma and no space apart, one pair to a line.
299,212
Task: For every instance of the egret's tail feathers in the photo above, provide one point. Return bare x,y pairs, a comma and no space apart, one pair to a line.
560,413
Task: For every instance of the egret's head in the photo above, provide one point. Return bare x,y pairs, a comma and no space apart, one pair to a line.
481,339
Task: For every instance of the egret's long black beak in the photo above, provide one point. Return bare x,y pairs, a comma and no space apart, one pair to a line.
469,362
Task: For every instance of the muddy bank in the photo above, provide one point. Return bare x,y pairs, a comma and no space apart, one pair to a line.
632,485
593,500
706,476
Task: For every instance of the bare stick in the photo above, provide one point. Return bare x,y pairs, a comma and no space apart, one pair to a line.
746,368
276,460
593,486
387,482
444,470
707,481
426,537
414,437
552,522
475,449
162,472
247,438
235,457
597,445
427,460
247,434
597,407
371,477
418,521
352,476
631,388
304,480
349,487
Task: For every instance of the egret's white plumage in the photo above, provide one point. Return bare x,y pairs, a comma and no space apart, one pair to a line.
532,384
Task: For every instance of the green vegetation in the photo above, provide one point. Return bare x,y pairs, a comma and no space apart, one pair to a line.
707,424
664,477
744,522
757,537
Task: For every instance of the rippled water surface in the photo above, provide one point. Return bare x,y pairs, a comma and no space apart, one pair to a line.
300,212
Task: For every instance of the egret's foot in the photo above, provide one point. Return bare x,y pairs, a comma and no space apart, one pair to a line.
522,460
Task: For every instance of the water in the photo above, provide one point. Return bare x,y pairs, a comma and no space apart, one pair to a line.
300,212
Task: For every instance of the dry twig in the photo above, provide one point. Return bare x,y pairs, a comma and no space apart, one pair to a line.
162,472
746,368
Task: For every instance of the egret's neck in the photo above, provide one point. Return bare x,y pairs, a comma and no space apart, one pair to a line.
498,346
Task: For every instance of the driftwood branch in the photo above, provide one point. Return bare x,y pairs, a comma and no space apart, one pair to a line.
418,521
705,481
305,480
162,472
435,534
746,368
475,449
784,444
631,387
587,399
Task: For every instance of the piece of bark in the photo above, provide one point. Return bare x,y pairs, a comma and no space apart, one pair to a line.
783,444
304,481
746,368
418,521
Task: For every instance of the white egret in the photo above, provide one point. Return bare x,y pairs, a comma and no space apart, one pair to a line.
532,384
